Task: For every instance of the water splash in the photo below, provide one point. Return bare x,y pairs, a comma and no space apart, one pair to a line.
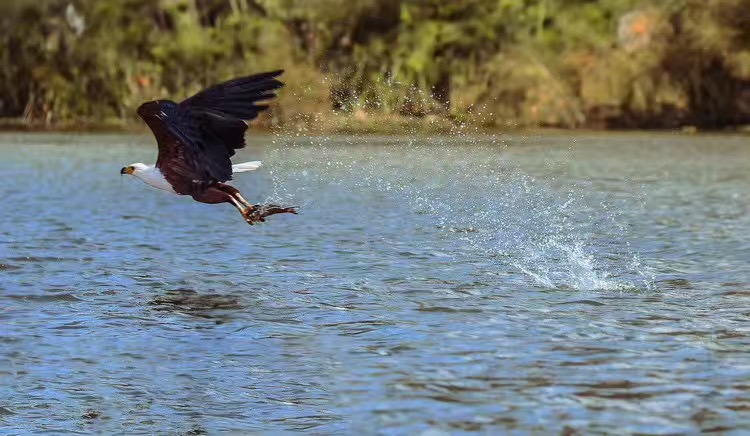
557,265
554,229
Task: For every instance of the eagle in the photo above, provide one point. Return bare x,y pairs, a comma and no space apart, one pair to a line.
197,138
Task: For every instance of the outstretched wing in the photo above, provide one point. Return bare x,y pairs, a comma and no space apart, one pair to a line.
237,97
198,136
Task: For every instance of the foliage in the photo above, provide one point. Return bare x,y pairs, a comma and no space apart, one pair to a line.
494,63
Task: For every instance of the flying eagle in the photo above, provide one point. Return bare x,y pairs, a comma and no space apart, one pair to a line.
198,136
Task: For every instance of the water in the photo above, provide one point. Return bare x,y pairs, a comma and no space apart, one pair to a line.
437,285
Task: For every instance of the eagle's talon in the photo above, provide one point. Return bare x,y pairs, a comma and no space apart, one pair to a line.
249,216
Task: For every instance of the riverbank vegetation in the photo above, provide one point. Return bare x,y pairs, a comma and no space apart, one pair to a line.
370,65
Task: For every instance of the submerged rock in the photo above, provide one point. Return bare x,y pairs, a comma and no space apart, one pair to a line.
190,301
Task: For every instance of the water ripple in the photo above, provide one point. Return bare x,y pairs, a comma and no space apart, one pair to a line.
551,284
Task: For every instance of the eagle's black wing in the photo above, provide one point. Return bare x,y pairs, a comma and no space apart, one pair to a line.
198,136
237,97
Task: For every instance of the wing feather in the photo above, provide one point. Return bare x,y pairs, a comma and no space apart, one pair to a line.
236,97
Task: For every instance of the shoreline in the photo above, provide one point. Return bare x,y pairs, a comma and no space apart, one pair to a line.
351,125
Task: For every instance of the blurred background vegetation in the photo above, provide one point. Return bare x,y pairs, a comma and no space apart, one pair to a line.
371,65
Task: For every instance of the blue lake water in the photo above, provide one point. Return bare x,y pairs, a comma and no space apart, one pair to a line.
441,285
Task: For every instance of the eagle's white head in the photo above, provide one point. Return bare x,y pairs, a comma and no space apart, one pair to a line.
148,174
135,169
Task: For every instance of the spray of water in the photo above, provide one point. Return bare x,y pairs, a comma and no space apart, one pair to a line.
558,237
554,231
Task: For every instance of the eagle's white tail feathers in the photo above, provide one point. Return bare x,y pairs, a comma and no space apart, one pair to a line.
246,166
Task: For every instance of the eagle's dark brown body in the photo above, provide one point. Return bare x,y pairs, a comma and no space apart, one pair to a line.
198,136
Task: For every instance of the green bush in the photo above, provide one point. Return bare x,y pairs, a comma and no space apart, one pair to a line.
489,63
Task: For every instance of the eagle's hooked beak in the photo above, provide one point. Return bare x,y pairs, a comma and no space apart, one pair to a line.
126,170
